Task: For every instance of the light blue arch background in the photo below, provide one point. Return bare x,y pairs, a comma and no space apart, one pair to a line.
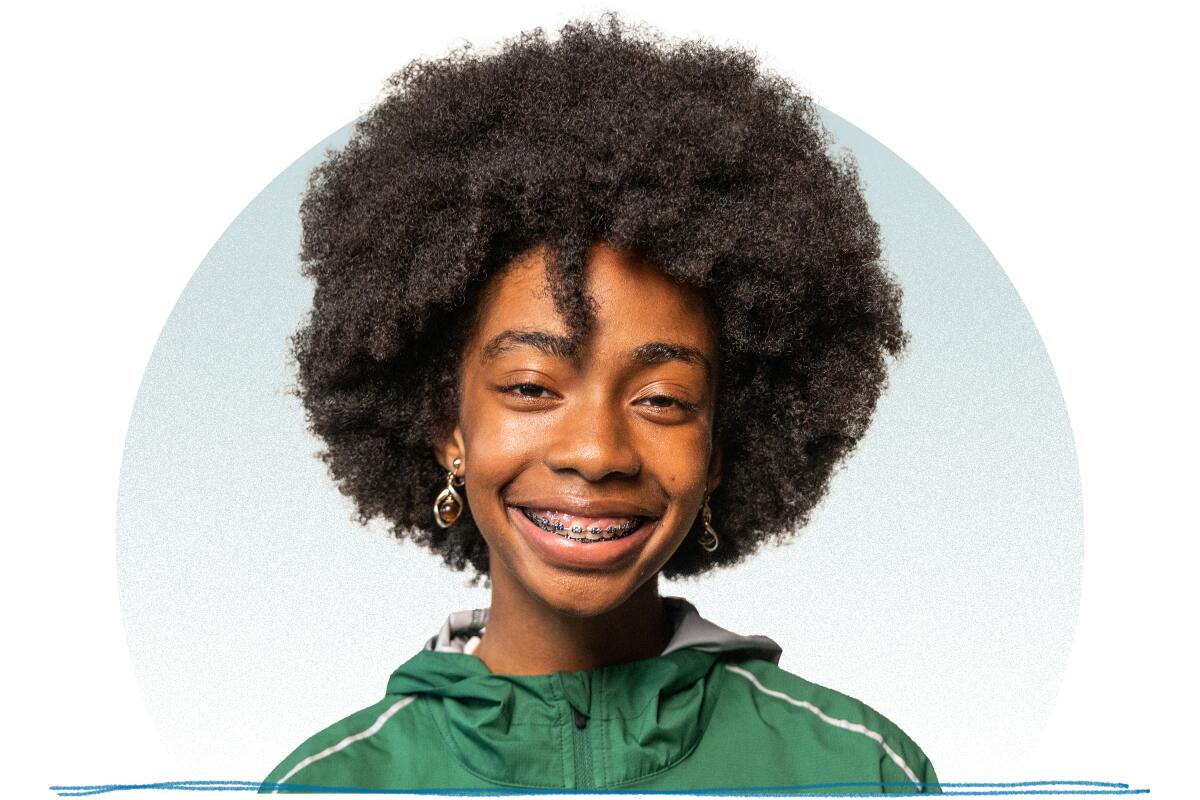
938,582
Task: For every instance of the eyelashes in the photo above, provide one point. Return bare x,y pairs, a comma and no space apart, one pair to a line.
532,391
672,401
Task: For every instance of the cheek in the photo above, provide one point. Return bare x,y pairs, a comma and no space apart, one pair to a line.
499,446
678,457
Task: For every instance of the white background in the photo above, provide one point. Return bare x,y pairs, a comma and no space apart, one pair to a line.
134,134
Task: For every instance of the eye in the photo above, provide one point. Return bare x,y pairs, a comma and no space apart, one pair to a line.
666,401
530,391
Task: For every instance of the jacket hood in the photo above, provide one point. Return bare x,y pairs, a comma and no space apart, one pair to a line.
515,729
691,630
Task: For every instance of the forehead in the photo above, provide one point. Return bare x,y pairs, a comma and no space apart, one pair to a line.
634,303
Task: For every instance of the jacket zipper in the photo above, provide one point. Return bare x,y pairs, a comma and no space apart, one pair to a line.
583,753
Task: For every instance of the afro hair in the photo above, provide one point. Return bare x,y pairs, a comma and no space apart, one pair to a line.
687,154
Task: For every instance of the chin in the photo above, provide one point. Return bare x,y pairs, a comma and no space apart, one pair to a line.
583,595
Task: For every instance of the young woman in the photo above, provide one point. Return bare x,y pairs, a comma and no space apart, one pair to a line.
588,312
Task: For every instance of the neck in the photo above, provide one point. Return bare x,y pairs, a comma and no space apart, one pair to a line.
526,637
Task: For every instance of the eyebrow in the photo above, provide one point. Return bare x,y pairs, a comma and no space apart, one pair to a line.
559,346
549,343
660,352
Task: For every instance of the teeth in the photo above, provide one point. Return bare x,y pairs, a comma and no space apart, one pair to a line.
558,522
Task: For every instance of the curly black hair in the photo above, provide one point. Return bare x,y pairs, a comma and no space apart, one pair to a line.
686,154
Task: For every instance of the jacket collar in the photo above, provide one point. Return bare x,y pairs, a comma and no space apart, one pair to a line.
519,730
691,630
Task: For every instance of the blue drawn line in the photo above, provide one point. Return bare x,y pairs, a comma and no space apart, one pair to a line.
1017,788
196,786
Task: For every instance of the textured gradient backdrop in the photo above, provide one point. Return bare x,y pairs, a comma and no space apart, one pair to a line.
938,582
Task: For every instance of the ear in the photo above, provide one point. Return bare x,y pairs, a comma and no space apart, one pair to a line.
451,448
714,469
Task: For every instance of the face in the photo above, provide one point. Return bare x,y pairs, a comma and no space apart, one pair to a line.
585,470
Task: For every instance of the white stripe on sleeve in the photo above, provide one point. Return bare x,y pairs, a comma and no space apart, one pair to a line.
349,740
840,723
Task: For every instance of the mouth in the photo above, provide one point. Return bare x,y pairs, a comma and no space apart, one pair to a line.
585,529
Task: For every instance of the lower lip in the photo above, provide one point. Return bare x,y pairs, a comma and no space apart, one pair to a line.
566,552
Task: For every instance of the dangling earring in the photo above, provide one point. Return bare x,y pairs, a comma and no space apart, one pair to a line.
449,505
708,539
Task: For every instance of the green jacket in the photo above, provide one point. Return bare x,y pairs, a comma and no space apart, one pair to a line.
714,710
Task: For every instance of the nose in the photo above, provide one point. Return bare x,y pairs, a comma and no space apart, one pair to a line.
593,439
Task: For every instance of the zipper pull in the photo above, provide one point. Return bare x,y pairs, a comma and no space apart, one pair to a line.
580,720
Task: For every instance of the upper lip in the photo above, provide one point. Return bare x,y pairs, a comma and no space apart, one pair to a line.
585,507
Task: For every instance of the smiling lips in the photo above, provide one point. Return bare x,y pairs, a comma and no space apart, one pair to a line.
585,529
585,541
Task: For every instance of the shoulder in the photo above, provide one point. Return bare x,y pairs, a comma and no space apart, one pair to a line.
838,725
348,753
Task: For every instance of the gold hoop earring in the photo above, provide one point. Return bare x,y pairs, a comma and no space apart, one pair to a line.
449,505
708,539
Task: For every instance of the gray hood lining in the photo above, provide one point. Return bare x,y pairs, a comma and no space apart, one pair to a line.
461,632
